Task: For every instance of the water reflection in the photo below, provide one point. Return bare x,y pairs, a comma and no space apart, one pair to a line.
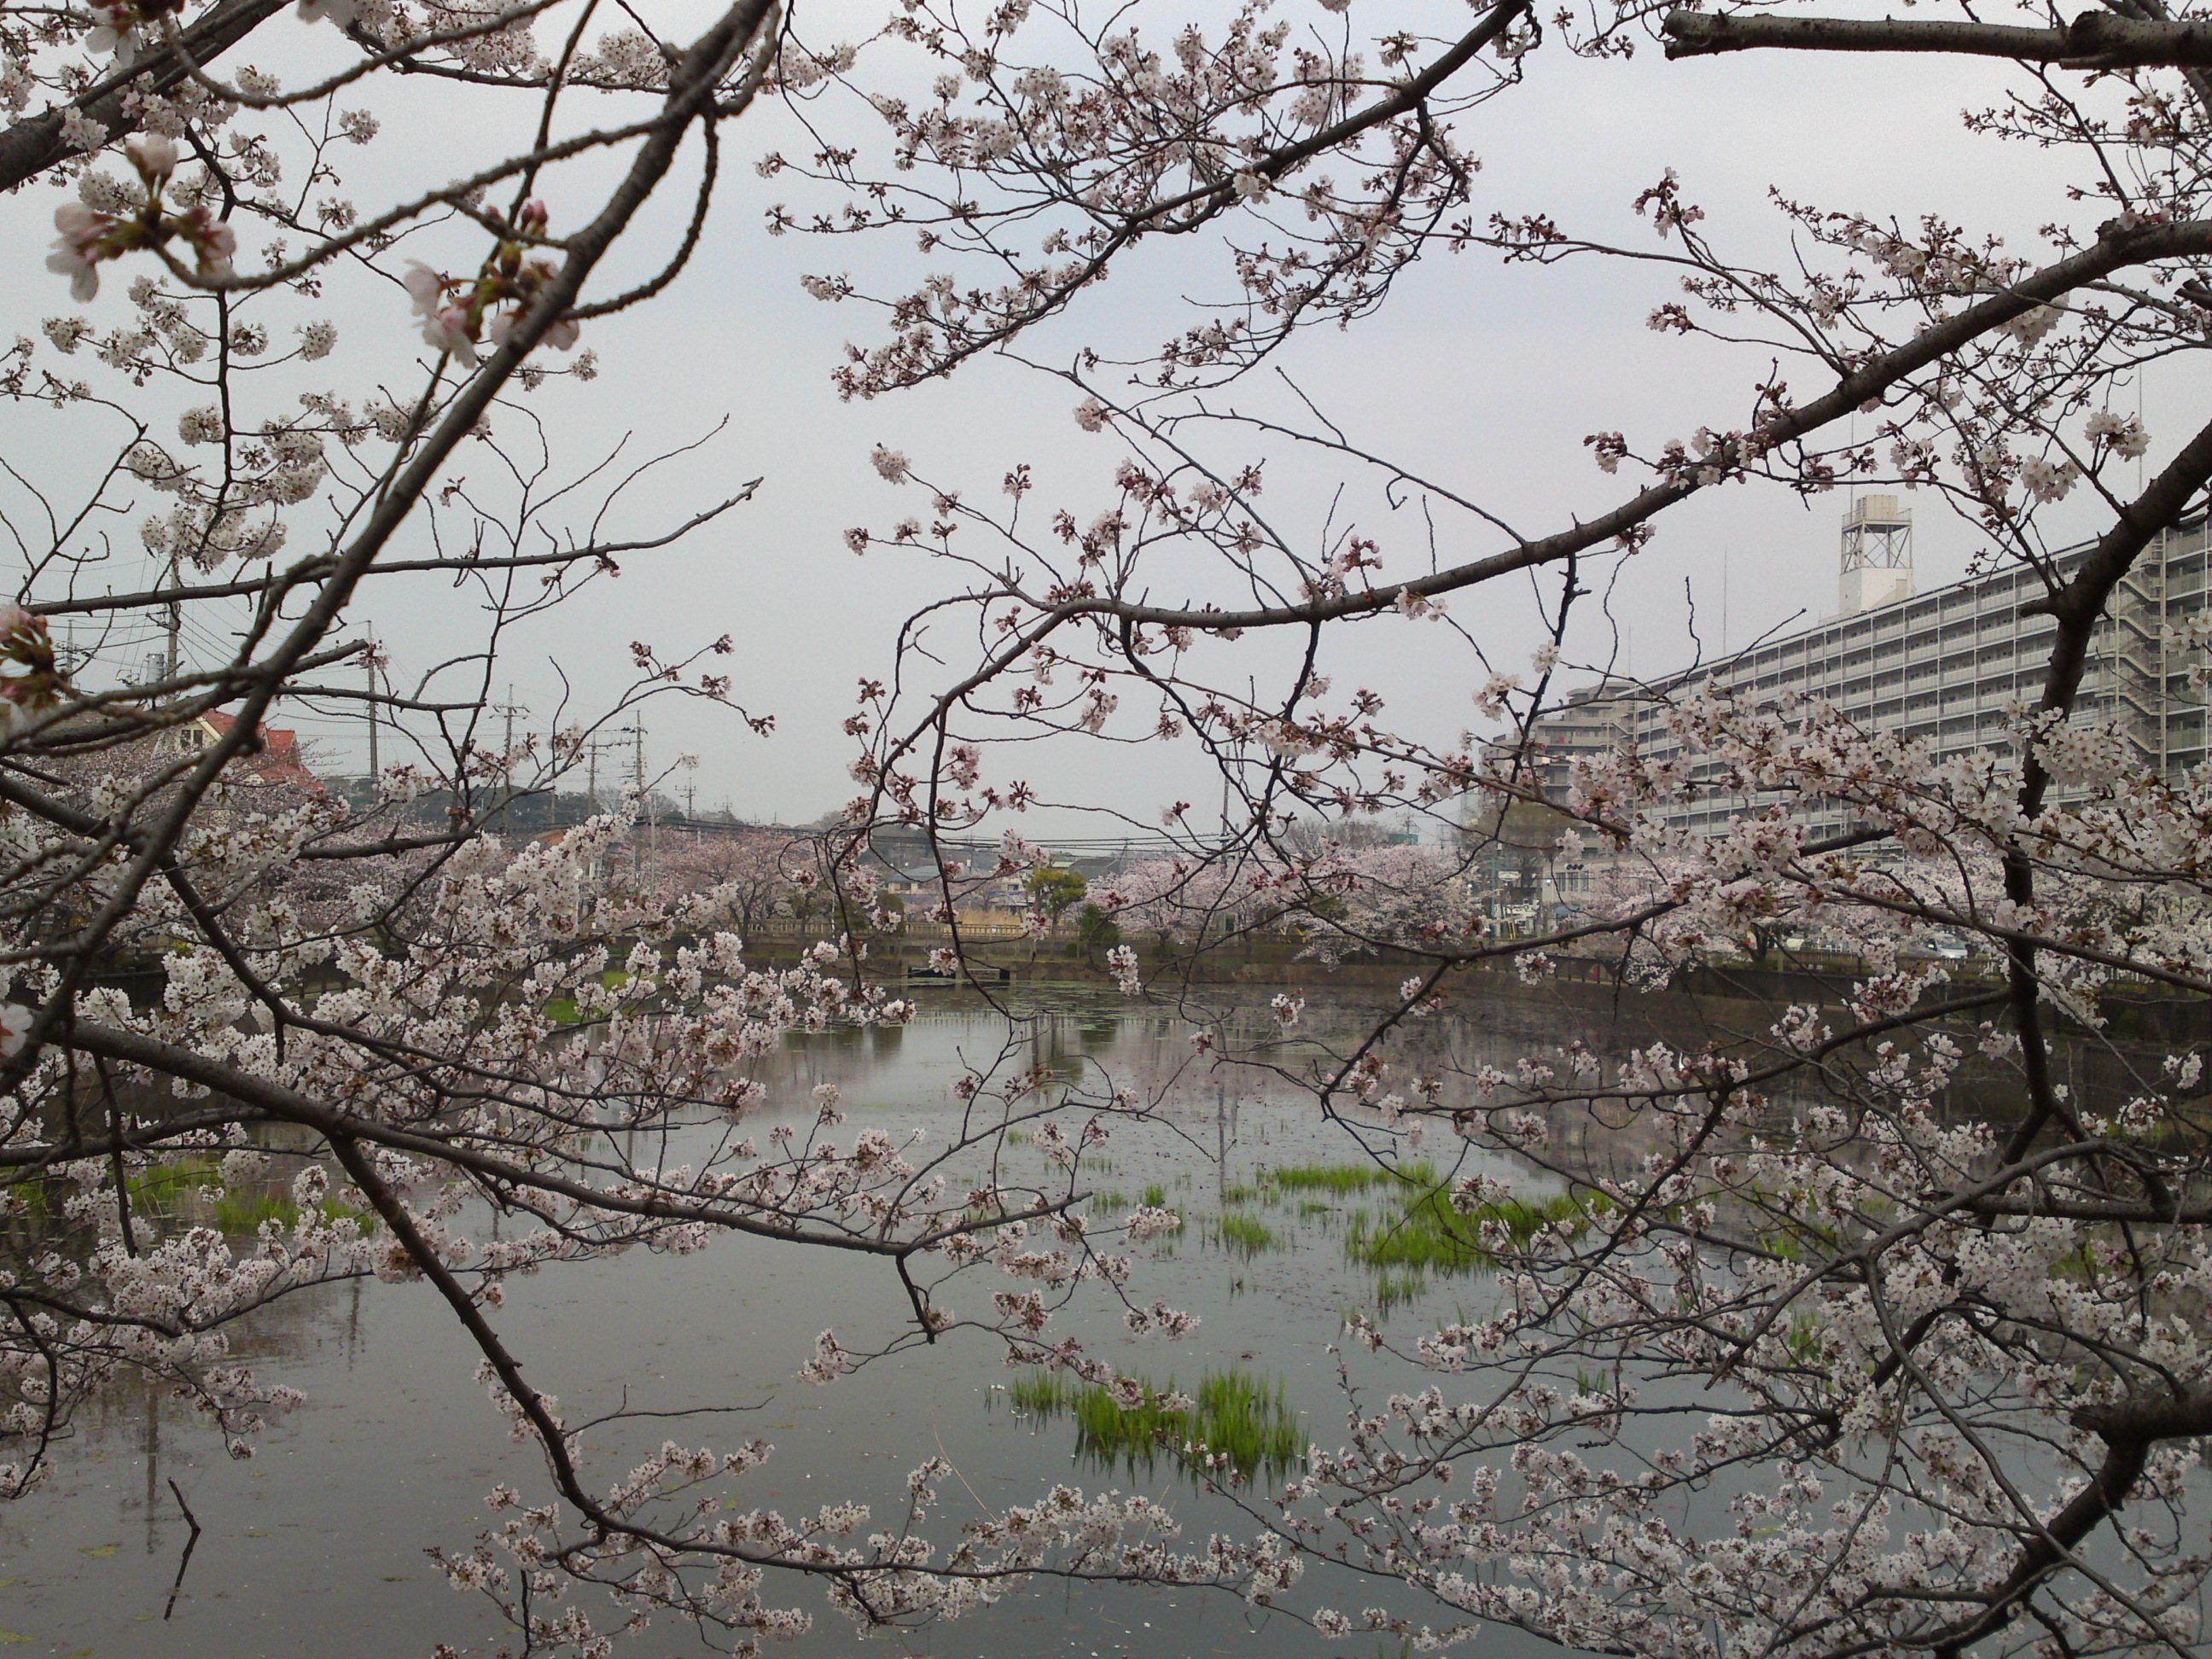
315,1546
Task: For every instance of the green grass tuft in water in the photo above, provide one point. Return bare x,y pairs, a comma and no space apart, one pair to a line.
1430,1236
237,1212
1398,1291
1242,1234
1232,1416
1345,1179
156,1191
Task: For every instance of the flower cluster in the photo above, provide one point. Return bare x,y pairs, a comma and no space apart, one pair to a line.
459,315
90,237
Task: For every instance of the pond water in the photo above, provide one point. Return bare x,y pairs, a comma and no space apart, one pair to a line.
316,1546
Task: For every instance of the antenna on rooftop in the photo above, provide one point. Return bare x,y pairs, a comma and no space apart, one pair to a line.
1877,569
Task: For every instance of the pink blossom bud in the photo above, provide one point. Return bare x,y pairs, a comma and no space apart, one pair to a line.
212,238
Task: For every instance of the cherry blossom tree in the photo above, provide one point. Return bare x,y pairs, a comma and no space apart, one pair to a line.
1940,1382
1389,896
437,1039
1829,1371
756,873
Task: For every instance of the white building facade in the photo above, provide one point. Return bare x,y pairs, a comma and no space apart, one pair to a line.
1943,665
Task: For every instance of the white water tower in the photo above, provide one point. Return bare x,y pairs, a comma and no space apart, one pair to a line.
1877,554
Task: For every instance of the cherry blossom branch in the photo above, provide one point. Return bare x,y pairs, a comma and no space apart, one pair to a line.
2094,41
30,145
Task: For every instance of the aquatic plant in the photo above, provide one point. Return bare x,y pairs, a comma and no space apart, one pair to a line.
1242,1234
157,1190
245,1213
1430,1236
1247,1424
1345,1179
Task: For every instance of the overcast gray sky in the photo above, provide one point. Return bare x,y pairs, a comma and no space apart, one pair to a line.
1487,378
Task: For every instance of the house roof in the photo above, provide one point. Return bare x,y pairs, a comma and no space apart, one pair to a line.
277,758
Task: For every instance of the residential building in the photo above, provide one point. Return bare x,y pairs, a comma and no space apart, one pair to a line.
1944,665
1594,720
275,758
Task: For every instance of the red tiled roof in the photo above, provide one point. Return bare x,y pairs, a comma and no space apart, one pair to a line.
277,760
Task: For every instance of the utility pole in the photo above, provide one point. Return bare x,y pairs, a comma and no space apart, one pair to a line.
637,791
368,668
174,627
592,750
510,708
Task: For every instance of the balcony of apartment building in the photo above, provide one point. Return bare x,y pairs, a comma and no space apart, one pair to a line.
2185,738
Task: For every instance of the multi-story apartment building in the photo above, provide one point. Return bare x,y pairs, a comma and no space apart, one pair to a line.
1591,721
1943,665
